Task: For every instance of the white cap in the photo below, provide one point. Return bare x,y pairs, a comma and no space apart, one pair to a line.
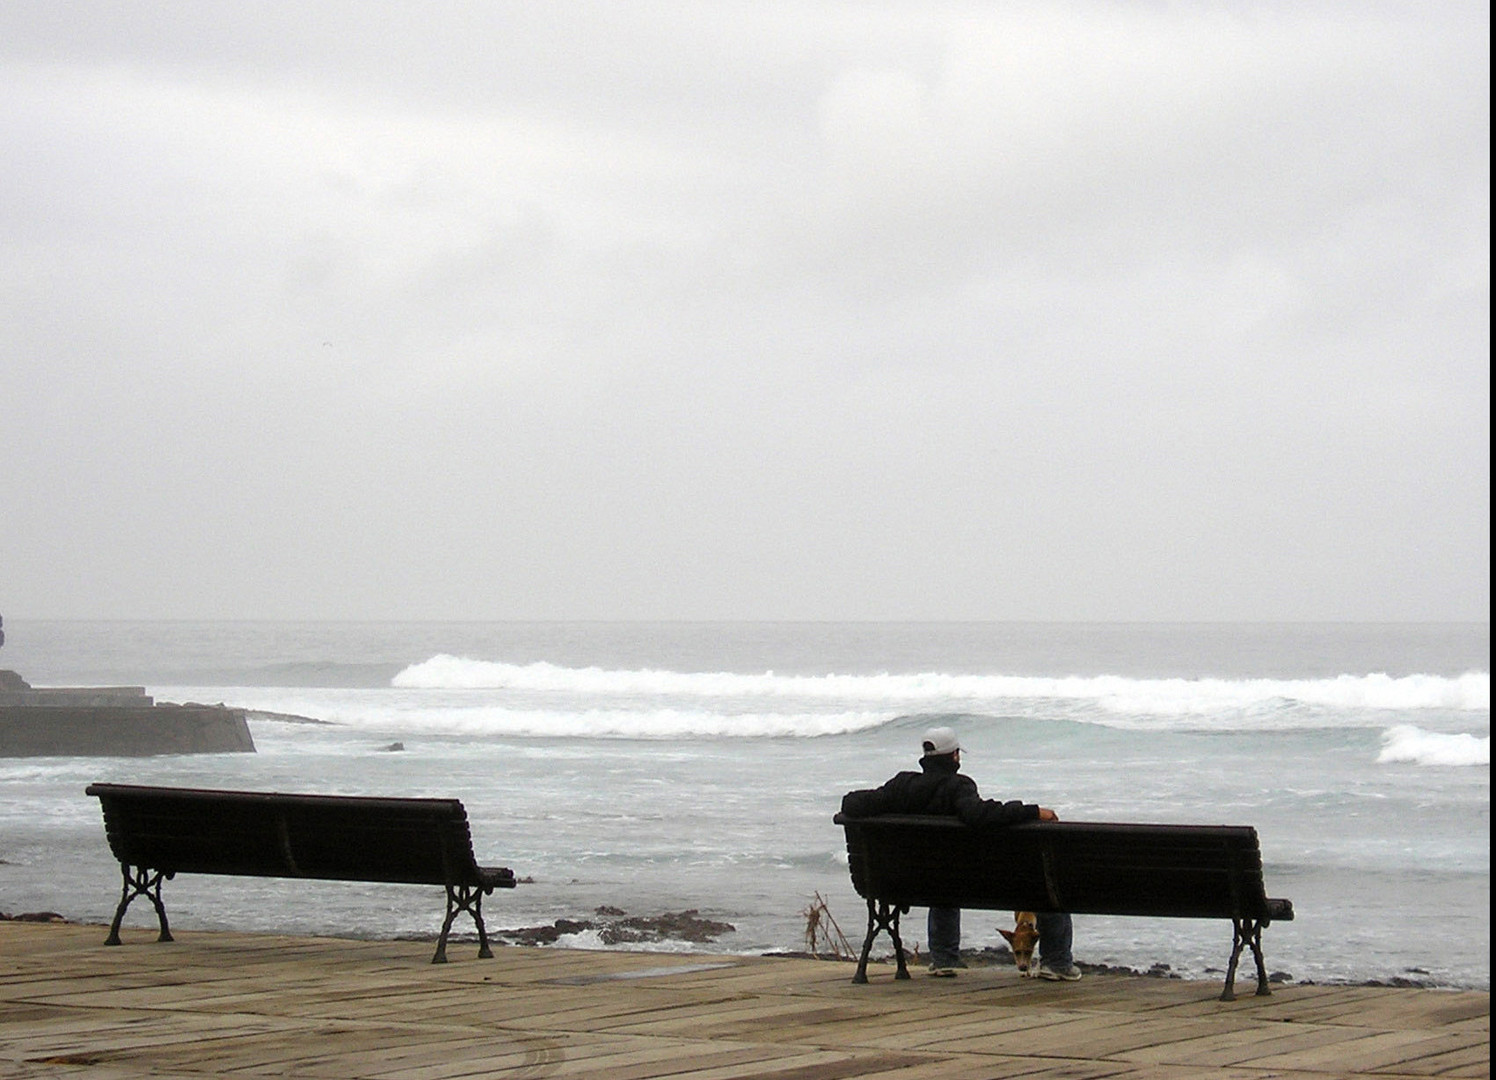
941,740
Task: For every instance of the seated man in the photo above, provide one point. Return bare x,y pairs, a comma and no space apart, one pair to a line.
939,788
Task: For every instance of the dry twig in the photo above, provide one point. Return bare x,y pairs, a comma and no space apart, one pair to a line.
822,934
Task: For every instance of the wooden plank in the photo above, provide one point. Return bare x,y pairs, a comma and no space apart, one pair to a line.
470,1057
1252,1045
1472,1062
1381,1052
1006,1032
1095,1034
260,1005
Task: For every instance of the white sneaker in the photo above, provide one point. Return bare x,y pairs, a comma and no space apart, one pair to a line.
1069,974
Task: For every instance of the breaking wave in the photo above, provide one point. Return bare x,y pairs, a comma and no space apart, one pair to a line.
489,720
1157,697
1407,744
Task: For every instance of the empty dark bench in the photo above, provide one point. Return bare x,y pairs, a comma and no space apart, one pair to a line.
899,861
159,832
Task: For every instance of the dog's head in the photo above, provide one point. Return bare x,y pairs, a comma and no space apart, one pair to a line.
1022,939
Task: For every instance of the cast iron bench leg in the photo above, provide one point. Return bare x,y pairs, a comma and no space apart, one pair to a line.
142,882
1263,990
898,945
463,898
1245,932
881,917
484,952
867,943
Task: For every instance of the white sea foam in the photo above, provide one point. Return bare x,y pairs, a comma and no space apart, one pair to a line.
1159,697
447,695
413,712
1406,743
625,723
582,939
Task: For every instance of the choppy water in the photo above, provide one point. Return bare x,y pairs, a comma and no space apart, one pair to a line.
657,767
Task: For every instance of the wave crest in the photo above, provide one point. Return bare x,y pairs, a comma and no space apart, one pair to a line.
1408,744
1160,697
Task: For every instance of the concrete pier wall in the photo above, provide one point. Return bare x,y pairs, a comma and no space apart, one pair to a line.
122,731
125,697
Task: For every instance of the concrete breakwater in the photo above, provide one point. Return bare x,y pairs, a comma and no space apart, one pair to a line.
113,721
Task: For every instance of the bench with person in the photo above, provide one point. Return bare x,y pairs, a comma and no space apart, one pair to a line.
899,861
159,832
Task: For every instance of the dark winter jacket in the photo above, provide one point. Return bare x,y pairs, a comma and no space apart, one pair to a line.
938,789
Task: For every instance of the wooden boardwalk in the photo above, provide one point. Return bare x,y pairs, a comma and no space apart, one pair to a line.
253,1005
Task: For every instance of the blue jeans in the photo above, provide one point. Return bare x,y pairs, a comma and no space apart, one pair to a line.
943,928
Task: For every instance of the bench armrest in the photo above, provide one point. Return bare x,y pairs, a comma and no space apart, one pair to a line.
496,877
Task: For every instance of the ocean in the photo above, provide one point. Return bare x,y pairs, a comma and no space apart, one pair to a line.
655,768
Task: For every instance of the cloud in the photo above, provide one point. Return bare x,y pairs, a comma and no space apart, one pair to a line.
746,309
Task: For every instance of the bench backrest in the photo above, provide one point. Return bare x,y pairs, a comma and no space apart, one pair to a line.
270,834
1202,871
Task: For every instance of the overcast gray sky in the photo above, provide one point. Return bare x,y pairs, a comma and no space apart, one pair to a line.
336,309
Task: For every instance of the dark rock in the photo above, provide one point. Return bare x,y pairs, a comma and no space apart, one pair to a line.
529,935
682,926
617,928
283,718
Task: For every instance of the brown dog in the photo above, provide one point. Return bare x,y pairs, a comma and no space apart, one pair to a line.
1022,939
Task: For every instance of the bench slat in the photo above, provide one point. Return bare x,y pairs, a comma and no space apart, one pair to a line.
1185,871
340,837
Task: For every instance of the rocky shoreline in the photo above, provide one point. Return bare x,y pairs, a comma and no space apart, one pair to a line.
616,927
